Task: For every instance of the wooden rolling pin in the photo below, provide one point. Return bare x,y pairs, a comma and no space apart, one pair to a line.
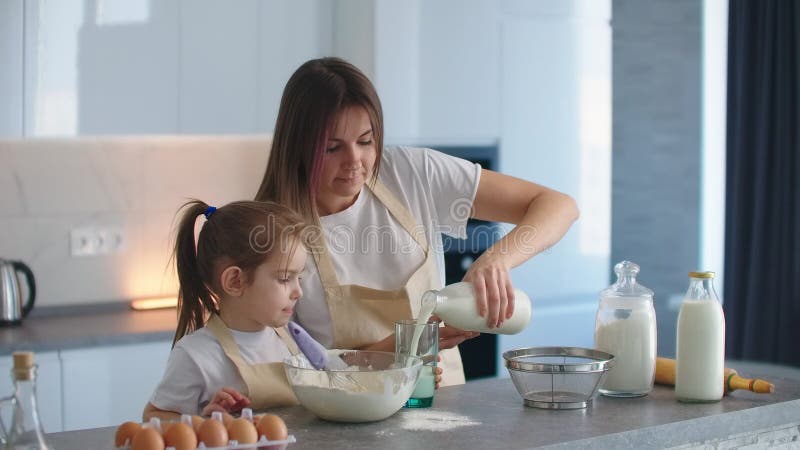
665,374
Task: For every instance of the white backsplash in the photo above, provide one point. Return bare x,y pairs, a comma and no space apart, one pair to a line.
49,187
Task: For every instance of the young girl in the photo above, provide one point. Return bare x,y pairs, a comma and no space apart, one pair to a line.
238,289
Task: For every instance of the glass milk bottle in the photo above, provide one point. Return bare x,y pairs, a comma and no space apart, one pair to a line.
25,431
700,359
625,326
455,305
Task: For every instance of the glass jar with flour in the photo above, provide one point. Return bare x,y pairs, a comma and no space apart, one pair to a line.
625,326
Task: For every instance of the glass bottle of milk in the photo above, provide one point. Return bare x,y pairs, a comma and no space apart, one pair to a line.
625,326
455,304
700,359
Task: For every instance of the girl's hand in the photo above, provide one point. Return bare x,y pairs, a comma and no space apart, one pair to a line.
449,336
494,293
227,400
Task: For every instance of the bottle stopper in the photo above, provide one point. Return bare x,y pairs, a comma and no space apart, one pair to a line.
23,362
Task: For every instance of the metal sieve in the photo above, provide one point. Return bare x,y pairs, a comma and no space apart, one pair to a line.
557,377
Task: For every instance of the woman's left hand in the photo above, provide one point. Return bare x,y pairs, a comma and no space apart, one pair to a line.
439,372
450,337
494,293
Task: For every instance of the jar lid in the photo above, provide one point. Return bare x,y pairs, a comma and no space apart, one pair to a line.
626,285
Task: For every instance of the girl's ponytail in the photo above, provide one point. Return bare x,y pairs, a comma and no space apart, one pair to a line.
195,299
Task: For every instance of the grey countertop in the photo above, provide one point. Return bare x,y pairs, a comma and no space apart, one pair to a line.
490,414
62,328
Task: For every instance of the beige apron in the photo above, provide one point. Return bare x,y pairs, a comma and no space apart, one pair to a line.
362,316
267,386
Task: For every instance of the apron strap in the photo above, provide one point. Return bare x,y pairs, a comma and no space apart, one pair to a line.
400,213
287,339
319,250
231,348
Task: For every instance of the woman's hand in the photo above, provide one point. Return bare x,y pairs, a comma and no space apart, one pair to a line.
449,336
439,371
494,293
227,400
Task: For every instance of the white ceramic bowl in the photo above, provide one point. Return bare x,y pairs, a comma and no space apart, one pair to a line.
373,387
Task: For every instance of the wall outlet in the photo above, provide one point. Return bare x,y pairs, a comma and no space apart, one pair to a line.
96,240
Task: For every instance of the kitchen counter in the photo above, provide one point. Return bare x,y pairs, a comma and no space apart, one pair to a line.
63,328
490,414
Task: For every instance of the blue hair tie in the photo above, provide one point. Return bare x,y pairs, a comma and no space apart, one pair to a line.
210,210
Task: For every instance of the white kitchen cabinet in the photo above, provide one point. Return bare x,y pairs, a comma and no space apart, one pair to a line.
235,58
109,385
11,55
436,71
460,69
48,388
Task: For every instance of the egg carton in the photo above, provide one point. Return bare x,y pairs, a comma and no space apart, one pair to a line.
262,444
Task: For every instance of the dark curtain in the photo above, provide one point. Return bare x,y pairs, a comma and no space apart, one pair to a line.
762,223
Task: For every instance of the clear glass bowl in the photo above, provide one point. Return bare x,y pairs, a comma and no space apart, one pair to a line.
557,377
372,387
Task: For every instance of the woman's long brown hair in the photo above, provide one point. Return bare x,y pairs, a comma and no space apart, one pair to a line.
317,92
242,234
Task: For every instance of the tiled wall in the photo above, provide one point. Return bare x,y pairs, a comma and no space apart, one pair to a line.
49,187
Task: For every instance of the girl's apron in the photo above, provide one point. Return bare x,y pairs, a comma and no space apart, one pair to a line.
362,316
267,386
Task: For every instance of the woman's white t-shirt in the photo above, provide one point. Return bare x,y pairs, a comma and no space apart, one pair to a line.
369,247
198,368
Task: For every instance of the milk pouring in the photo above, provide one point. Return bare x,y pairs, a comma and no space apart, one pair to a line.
700,361
455,305
625,326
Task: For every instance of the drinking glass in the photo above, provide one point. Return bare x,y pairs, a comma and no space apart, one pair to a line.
421,339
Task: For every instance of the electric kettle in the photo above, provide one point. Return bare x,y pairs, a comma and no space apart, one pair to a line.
12,306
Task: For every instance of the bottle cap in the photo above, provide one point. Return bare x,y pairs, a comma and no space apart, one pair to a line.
23,360
701,274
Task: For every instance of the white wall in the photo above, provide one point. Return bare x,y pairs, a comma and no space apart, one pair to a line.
712,204
135,184
533,76
555,130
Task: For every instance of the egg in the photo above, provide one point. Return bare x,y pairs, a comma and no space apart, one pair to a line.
196,422
243,431
256,418
147,439
273,427
213,433
165,426
227,419
125,433
180,436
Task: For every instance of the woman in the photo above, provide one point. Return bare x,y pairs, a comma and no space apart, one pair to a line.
380,214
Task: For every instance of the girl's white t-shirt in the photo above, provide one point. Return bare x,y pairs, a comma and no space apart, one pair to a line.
198,368
369,247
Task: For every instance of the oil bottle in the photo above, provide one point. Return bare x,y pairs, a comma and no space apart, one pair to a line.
25,431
